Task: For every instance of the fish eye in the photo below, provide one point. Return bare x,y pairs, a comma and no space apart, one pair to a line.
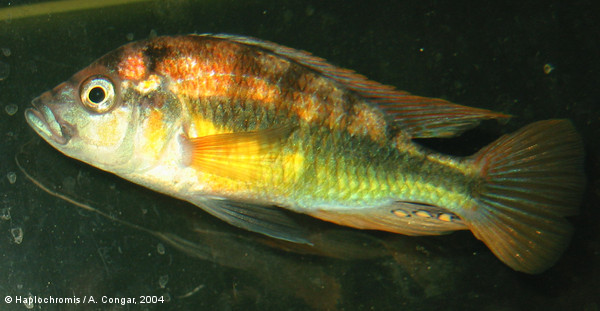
98,94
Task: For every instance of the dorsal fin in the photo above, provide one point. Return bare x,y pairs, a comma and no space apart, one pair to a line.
420,117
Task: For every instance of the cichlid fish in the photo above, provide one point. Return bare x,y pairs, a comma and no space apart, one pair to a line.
249,130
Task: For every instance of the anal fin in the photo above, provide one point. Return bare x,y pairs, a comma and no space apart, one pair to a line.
406,218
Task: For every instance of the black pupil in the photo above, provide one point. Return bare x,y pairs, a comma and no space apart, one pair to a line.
96,95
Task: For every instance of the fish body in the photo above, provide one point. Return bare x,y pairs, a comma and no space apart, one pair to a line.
248,130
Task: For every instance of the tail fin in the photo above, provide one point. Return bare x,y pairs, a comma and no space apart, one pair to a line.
531,180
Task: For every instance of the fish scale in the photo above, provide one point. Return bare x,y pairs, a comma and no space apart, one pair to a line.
366,177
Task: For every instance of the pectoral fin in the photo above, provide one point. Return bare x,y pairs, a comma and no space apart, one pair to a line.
240,156
269,220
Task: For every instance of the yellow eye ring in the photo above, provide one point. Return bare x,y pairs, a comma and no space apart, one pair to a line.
98,94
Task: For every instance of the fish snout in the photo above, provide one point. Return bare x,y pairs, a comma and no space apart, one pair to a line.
44,121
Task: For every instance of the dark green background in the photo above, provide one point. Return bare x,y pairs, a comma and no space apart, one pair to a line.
477,53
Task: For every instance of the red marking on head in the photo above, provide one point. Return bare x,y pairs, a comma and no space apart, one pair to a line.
133,66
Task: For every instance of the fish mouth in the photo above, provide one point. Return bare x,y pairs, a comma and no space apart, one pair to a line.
43,121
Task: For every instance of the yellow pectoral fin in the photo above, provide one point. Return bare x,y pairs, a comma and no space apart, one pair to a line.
243,156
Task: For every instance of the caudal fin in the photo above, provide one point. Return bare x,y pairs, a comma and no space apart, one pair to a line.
531,180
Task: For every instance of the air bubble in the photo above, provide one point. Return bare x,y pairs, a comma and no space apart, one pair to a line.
163,280
29,303
4,70
17,234
11,109
6,52
5,213
160,249
12,177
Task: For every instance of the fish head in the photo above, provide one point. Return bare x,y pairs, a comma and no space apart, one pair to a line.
86,117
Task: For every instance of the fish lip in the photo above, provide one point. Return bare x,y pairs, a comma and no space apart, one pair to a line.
41,118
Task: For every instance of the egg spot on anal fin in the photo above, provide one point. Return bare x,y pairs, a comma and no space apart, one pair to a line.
446,217
422,214
401,213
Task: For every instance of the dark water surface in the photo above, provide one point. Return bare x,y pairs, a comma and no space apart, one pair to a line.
535,61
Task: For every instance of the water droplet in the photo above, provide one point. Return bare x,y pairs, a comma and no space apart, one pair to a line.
11,109
310,10
6,52
17,234
29,302
12,177
160,248
5,213
163,280
4,70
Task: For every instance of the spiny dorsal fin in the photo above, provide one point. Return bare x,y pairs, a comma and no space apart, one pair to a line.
420,117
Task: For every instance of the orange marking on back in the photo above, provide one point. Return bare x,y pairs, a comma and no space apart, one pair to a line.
217,57
133,66
367,121
221,68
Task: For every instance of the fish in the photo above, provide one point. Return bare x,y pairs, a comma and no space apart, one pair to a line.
254,133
